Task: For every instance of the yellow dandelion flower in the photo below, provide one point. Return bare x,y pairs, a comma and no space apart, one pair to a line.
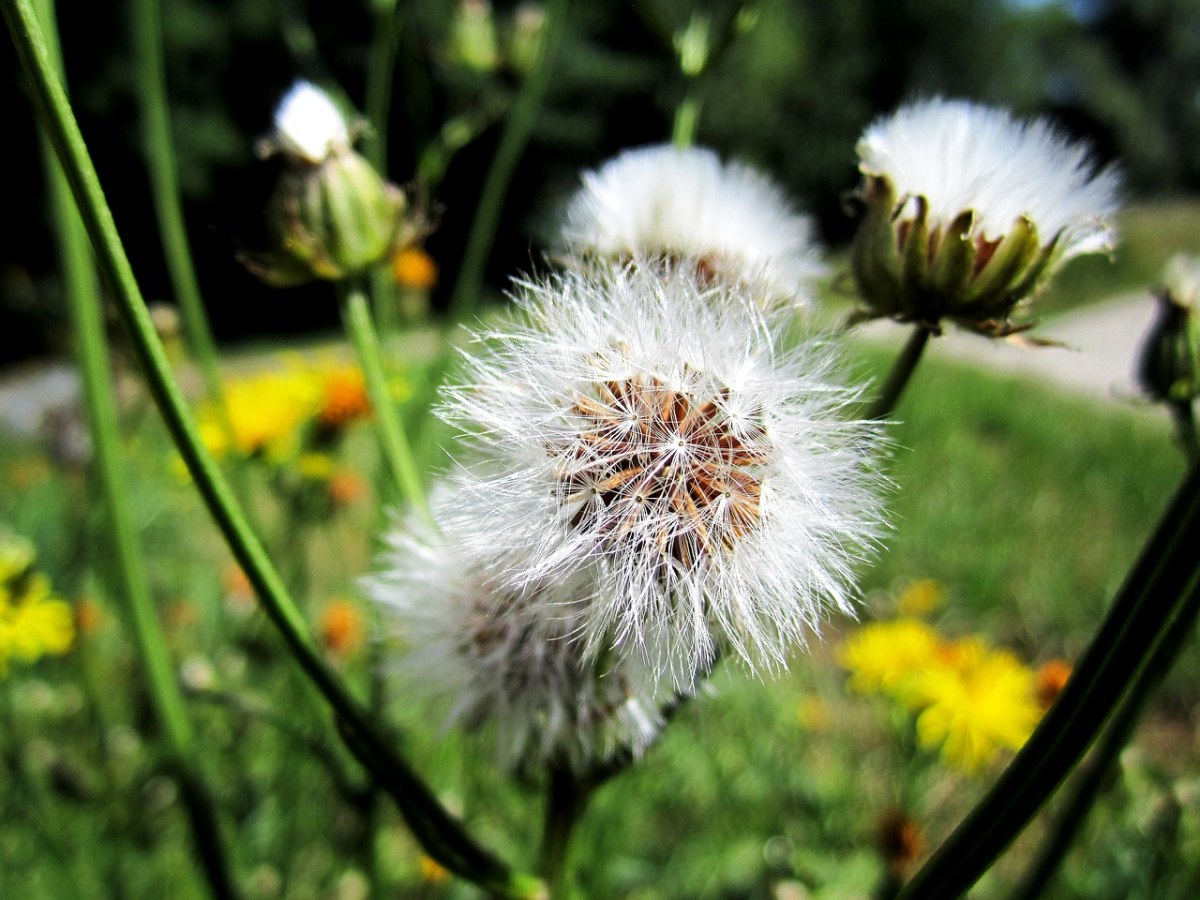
978,702
33,622
920,598
432,872
266,413
17,556
315,466
885,657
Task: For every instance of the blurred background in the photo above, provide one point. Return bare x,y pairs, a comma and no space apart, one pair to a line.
791,94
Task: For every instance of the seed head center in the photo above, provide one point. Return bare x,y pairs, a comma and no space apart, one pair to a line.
655,465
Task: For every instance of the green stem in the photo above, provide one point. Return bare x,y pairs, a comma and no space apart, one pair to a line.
566,799
687,119
517,130
441,833
902,370
87,313
151,82
1087,785
1185,429
356,315
1149,599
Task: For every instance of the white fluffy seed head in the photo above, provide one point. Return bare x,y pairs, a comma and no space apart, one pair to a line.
505,658
309,125
653,433
962,156
730,220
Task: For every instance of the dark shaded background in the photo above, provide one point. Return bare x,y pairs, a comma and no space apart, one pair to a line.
791,94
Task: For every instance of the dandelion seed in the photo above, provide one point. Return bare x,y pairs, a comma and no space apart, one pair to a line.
666,203
651,430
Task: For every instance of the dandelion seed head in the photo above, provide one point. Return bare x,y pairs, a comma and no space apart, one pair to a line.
963,156
505,658
728,219
649,430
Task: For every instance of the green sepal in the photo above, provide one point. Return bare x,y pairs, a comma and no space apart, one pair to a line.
916,250
991,288
875,256
953,261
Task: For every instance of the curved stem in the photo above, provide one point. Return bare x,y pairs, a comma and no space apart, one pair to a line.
157,140
356,315
566,798
517,130
1153,594
87,313
902,370
1084,791
441,833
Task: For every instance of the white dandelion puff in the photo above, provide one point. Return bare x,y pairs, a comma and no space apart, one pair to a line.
961,156
308,124
729,219
652,431
505,658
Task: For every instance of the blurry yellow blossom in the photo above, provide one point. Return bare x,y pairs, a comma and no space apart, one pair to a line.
432,871
813,712
33,622
315,466
16,557
885,657
920,598
979,701
266,412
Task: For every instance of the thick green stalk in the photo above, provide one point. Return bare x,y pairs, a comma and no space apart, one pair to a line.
151,84
356,315
517,130
566,798
1086,787
1151,596
902,370
441,834
87,313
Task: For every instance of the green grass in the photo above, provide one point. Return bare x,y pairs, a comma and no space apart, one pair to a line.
1027,505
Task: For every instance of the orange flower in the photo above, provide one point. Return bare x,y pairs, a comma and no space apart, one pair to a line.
413,268
900,841
1051,679
345,398
88,616
346,488
341,627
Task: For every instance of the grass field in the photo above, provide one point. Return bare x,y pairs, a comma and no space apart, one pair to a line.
1026,506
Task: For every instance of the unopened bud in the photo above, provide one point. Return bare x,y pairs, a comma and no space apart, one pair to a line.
1169,368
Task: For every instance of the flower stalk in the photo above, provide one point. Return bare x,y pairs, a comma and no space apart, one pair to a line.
87,314
158,144
1157,591
443,835
517,130
356,316
902,371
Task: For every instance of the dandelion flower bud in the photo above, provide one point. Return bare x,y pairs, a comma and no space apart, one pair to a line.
653,431
685,207
505,657
1169,368
969,211
331,214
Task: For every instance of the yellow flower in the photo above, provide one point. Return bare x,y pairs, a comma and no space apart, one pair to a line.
16,557
885,657
432,871
315,466
920,598
33,623
266,413
977,702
